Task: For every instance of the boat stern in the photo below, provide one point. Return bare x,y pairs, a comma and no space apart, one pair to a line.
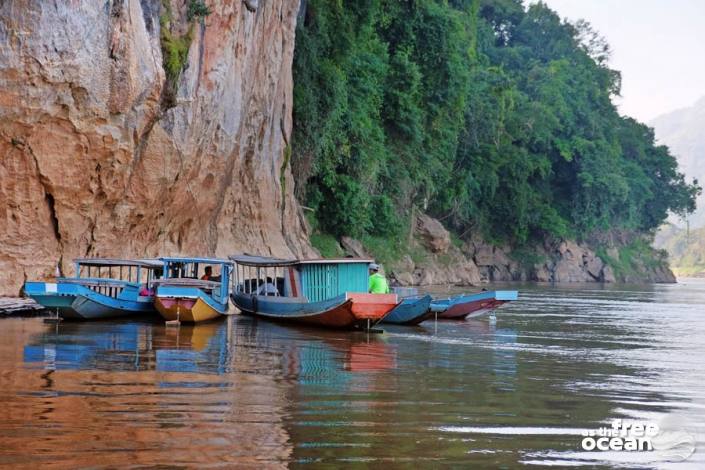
51,295
371,306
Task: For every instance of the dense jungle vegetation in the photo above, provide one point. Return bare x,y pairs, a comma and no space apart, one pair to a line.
493,116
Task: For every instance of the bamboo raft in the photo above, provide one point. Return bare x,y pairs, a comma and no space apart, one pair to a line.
17,305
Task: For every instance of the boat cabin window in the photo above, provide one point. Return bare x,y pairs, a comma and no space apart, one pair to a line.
129,273
211,276
266,286
263,280
189,270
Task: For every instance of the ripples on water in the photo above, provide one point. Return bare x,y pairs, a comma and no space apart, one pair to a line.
255,394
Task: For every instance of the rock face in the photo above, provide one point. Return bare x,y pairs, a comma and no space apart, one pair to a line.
574,263
93,162
435,237
353,247
561,261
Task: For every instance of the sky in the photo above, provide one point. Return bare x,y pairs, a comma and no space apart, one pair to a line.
658,45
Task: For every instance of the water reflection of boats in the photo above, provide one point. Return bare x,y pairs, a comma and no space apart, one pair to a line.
371,356
107,345
192,348
302,352
314,355
158,396
132,346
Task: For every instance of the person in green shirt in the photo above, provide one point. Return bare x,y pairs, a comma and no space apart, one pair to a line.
378,283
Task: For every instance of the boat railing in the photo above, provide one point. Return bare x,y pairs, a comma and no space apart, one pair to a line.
108,287
187,282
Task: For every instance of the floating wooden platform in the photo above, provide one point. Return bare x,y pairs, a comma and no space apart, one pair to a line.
17,306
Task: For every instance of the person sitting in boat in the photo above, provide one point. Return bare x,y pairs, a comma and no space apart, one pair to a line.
146,291
378,283
268,288
208,276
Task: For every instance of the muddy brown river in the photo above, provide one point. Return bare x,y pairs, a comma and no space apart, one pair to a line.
519,391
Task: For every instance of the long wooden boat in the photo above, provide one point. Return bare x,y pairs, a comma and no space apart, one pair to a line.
472,305
101,288
326,292
184,295
411,311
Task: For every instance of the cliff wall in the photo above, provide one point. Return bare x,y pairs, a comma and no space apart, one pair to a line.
439,260
100,156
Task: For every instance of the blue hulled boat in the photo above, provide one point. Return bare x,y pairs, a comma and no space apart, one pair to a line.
325,292
102,288
410,311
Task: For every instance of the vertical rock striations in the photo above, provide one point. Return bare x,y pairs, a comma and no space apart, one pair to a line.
95,161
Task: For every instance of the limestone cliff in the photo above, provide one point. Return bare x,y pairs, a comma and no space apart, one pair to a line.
627,258
98,158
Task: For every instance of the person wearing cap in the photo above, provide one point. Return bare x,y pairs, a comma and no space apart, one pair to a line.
378,283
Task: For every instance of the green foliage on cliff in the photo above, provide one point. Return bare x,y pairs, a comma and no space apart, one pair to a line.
175,47
197,9
633,259
174,50
490,116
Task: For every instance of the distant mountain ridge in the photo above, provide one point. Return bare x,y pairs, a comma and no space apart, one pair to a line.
683,131
686,249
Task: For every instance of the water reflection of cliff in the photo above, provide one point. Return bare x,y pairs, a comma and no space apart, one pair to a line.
142,394
215,392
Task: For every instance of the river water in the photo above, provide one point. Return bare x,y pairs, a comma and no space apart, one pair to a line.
240,392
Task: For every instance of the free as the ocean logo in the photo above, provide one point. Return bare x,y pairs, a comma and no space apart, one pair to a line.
639,436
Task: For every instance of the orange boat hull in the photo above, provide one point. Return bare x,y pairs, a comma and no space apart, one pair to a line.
372,306
185,309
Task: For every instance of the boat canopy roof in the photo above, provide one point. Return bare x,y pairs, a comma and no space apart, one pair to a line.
336,261
184,259
263,261
144,263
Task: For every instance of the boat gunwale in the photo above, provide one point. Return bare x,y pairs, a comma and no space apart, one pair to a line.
342,303
98,262
197,293
263,261
186,259
91,281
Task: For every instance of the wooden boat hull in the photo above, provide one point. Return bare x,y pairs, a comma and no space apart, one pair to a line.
187,304
373,307
471,305
350,310
410,311
185,309
76,302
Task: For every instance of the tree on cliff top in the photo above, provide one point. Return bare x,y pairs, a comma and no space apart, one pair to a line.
486,114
